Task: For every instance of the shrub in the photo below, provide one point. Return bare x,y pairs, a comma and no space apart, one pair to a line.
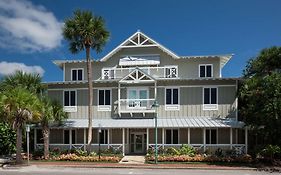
7,139
187,150
270,151
172,151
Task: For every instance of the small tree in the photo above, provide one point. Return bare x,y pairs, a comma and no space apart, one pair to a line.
7,139
51,111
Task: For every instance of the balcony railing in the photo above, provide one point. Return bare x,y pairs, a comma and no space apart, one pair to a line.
156,72
136,106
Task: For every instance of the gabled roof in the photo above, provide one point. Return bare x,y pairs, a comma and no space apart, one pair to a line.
137,76
139,39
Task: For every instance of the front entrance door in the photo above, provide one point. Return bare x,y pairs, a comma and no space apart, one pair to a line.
138,142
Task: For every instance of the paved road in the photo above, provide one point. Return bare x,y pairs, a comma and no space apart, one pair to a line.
34,170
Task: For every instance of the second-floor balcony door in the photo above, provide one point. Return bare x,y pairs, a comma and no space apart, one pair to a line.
137,98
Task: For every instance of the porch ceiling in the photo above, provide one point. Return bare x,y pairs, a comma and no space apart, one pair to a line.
195,122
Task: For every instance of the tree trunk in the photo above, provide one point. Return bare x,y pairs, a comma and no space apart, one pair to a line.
19,145
90,98
46,133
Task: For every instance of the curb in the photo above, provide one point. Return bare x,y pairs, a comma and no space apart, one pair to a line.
145,167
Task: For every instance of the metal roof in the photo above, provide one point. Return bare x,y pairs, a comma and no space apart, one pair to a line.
192,122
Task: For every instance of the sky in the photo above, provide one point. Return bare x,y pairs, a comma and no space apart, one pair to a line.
30,31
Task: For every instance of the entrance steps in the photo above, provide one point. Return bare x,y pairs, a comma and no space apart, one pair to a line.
133,160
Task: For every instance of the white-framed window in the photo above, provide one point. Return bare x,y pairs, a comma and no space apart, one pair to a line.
210,98
103,136
211,136
205,70
172,136
77,74
104,99
171,71
172,99
70,100
137,98
108,73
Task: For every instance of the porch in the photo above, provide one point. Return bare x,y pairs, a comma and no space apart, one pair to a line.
139,140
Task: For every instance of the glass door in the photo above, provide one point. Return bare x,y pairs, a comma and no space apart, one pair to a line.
138,143
137,98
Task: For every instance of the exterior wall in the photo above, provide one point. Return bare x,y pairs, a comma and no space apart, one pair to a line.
223,136
196,136
56,136
152,136
116,136
191,102
183,136
188,68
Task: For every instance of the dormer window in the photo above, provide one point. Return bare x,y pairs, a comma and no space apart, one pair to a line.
205,70
77,74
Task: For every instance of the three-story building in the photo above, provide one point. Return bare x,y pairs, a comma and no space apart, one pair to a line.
197,106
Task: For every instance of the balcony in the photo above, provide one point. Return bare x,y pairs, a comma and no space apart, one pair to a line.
166,72
136,106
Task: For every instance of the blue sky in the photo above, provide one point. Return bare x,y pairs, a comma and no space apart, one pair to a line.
30,30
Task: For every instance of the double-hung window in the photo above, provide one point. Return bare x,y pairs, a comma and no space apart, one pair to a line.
172,136
103,136
205,70
210,98
211,136
104,100
70,101
172,99
77,74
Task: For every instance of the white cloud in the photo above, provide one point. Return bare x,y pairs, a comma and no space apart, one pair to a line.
7,68
28,27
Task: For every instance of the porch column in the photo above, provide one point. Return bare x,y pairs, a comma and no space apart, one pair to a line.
123,141
230,138
188,136
147,138
108,138
155,90
70,138
128,136
163,137
119,91
84,139
246,140
204,139
35,138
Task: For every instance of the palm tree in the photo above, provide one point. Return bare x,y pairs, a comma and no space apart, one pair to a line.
20,106
51,111
84,31
31,82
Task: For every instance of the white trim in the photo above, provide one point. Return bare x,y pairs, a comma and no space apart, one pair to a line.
212,70
172,107
104,107
63,71
185,86
77,74
138,33
210,107
70,108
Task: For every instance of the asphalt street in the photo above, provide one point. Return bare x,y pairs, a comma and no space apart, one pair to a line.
34,170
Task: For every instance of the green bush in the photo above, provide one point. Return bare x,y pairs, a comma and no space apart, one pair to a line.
270,151
187,150
7,139
172,151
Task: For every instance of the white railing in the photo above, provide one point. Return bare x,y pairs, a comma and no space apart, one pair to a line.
136,105
156,72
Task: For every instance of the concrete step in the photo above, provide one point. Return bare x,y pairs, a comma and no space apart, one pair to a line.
133,160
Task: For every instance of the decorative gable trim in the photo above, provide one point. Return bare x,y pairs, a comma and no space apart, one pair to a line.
139,39
137,76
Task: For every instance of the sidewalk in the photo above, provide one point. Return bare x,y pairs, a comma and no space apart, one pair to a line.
140,166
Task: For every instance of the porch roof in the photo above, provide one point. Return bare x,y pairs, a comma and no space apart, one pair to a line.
194,122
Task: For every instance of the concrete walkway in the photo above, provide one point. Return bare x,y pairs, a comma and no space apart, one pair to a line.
133,160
